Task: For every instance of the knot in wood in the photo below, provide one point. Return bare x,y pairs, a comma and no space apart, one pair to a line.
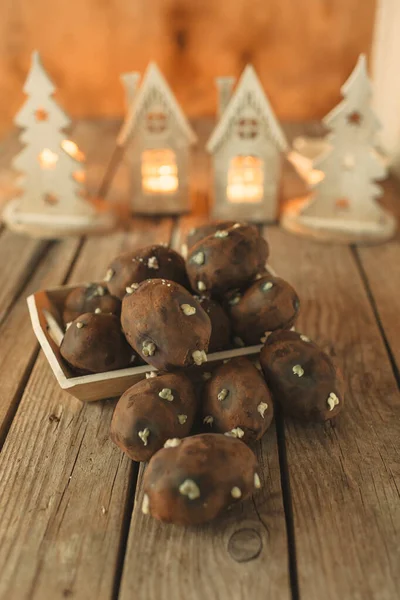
245,545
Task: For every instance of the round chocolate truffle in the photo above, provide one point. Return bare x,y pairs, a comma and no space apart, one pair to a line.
220,324
91,298
228,259
166,325
301,377
202,231
94,343
151,412
270,303
192,481
237,401
152,262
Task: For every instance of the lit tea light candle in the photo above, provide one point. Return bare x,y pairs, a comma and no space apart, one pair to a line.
159,172
47,159
245,179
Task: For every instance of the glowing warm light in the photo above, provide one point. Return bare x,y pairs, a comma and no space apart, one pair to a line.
159,171
72,149
245,179
315,176
79,176
47,159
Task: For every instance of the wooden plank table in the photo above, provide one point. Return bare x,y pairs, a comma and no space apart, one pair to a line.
326,524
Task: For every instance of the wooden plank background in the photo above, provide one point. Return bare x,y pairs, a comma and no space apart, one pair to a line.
303,51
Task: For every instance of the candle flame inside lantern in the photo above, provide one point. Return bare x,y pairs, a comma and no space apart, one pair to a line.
73,150
48,159
159,171
245,179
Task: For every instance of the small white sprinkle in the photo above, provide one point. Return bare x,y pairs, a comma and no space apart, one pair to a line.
100,291
257,365
206,375
182,419
298,370
222,394
199,357
304,338
262,407
188,310
152,263
109,275
97,311
236,492
145,505
201,286
267,286
148,348
263,339
190,489
258,276
236,225
235,300
221,234
332,401
238,342
172,443
151,374
237,432
79,325
144,435
68,325
198,258
103,510
208,420
184,250
166,394
129,289
257,482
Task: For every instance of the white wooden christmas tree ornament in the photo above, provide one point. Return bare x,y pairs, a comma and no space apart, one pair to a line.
157,139
52,203
247,146
342,172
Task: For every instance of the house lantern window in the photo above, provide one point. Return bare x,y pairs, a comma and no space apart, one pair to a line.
245,179
247,128
159,171
156,121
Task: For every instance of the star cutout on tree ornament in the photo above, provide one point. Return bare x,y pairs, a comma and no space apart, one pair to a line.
342,203
41,115
354,118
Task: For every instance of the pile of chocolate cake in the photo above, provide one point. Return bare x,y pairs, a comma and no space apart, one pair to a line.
154,307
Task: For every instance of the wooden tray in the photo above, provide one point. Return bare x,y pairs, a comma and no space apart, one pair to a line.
45,309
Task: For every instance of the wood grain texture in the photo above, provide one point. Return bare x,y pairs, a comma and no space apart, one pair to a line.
344,477
62,527
381,266
244,552
303,51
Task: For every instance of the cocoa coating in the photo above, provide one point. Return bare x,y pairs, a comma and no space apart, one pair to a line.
86,299
94,343
301,377
226,262
237,396
152,262
203,231
220,325
141,409
153,315
270,303
215,463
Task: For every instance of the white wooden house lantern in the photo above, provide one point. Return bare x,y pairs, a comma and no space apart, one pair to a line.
157,138
52,202
342,171
246,148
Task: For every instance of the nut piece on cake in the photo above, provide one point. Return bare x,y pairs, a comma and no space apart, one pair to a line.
238,401
194,480
151,412
94,343
202,231
152,262
91,298
228,259
166,325
301,377
270,303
